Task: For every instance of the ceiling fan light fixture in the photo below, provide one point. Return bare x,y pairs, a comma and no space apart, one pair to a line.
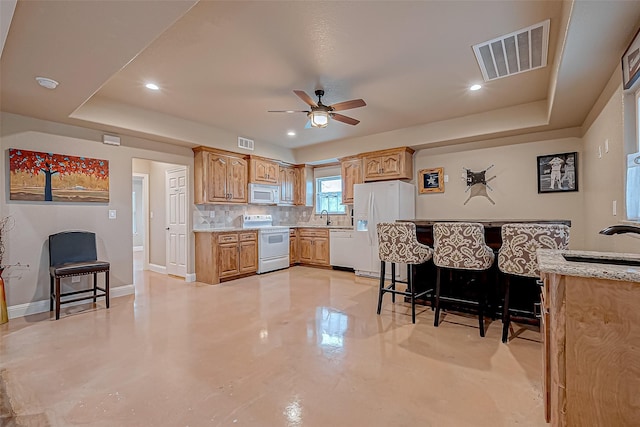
319,118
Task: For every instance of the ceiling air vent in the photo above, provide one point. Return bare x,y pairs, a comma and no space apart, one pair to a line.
520,51
245,143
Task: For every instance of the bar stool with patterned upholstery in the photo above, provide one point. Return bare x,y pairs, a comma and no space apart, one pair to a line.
517,257
397,243
461,246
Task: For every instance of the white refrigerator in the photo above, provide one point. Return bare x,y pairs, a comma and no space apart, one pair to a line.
374,202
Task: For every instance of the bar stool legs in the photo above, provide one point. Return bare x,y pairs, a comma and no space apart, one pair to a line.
506,317
410,291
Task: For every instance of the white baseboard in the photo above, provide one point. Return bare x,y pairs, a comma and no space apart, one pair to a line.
158,268
190,277
43,305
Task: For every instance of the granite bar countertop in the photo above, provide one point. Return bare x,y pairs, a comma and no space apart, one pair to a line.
552,261
488,222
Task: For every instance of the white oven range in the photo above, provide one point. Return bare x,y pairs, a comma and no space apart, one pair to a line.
273,242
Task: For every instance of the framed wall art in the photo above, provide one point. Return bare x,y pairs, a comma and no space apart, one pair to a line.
431,180
558,173
49,177
631,62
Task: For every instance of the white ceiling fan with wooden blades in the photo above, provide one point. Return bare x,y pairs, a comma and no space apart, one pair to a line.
320,113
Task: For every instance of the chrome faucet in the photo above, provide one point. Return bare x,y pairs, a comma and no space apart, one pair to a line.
620,229
322,213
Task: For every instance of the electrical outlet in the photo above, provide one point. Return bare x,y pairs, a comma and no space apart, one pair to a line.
212,214
112,214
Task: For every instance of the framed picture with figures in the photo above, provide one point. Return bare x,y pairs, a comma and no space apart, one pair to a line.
431,180
631,62
558,173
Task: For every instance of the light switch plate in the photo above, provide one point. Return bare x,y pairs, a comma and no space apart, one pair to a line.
112,214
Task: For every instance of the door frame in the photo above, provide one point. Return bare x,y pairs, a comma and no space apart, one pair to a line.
145,215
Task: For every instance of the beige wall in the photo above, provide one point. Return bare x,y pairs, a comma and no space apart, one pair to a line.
605,180
515,190
35,221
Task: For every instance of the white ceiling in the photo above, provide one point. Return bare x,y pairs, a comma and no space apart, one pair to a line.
223,65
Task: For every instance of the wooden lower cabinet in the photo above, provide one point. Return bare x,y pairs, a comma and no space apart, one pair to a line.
313,246
591,350
293,246
225,255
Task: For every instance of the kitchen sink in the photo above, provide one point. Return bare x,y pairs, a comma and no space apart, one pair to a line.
595,260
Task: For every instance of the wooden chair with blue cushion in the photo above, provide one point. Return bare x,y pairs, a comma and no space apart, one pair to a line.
517,257
73,253
460,246
398,244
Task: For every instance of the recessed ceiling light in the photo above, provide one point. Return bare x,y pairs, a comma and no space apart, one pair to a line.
291,133
152,86
475,87
47,82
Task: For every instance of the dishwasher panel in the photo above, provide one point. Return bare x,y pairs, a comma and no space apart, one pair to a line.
342,250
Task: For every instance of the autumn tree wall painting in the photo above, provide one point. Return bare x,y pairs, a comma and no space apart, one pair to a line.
49,177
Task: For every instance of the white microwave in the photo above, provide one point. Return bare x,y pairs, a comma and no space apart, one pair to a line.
264,194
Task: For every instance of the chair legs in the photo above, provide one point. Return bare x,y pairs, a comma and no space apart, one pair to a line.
413,294
480,302
506,317
381,291
436,320
410,291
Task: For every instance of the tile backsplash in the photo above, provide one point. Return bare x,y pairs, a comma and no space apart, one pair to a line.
223,216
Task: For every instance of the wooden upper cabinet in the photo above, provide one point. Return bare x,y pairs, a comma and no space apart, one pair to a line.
219,177
263,171
396,163
303,186
237,180
216,177
287,185
351,175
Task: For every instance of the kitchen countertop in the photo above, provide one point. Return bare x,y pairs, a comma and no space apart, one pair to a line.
330,227
226,229
552,261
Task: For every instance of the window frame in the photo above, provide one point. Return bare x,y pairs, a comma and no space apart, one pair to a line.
318,207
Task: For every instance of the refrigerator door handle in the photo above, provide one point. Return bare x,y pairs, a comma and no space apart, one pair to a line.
370,229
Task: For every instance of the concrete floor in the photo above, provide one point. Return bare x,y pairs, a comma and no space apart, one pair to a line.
297,347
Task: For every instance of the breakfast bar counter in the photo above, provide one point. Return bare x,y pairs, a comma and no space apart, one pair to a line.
492,227
426,273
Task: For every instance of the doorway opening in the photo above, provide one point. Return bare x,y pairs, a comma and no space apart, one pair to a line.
153,220
140,224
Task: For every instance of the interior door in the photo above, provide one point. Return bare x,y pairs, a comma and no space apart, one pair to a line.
177,208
